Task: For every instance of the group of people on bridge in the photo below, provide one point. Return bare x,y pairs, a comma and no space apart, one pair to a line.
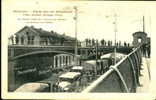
146,50
93,42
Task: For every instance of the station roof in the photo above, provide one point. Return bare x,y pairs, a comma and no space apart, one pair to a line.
78,67
42,32
91,62
112,55
31,87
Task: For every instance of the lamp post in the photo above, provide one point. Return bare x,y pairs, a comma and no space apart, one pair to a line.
75,18
143,24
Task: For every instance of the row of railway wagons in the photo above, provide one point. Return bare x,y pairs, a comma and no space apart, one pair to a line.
89,68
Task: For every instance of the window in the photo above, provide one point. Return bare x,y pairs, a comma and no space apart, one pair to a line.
30,40
22,40
44,41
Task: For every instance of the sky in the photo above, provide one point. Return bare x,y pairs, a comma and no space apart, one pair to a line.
95,19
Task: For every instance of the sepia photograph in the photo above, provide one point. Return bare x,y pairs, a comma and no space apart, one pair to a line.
53,49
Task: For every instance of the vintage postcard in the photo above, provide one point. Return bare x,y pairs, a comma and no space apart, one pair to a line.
65,49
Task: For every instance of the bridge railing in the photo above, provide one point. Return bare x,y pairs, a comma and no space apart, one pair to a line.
121,77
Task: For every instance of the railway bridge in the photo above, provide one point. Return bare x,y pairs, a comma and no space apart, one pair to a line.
37,60
17,50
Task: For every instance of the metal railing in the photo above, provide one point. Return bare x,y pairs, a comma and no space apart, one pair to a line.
123,76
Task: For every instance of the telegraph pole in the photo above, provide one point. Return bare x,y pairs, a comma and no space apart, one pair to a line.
75,18
115,31
96,51
96,48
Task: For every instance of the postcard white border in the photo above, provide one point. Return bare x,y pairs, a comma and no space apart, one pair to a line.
94,96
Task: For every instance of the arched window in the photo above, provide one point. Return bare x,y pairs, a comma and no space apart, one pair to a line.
139,40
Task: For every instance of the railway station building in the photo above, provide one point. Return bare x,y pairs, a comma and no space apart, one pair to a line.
29,35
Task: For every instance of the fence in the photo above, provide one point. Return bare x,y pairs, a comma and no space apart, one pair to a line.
121,77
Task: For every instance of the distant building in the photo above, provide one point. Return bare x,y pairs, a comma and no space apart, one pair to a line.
83,44
140,38
34,36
